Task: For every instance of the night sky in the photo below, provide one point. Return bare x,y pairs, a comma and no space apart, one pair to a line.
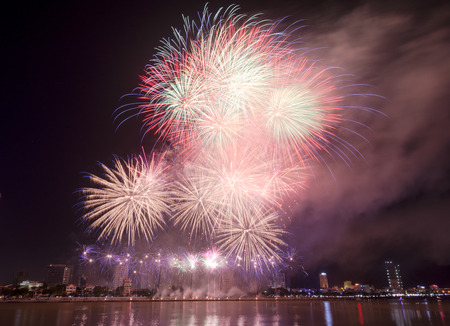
67,65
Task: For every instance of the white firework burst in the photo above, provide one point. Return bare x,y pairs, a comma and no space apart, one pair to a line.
129,199
254,238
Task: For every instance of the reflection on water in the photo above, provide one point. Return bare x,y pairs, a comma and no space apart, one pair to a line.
328,318
360,314
228,313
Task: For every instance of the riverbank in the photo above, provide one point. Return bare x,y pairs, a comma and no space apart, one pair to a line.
147,299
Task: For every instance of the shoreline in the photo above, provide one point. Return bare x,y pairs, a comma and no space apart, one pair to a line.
144,299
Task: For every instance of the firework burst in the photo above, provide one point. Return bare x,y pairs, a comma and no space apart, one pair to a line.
254,238
246,114
211,191
130,199
230,77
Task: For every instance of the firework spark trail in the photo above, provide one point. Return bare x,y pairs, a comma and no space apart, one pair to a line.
196,212
254,237
130,199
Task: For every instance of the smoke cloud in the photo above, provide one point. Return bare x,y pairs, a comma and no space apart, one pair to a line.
396,200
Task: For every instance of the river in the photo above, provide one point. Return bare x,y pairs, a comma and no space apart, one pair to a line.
228,313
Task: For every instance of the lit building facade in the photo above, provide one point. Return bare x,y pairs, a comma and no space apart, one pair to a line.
393,275
71,288
31,285
323,279
348,285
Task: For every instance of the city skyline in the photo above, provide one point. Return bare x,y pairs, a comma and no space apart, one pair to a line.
175,272
71,66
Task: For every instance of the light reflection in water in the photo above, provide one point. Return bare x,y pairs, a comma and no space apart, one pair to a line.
212,320
18,317
419,315
192,321
360,314
398,315
228,313
403,311
132,319
441,312
241,320
328,317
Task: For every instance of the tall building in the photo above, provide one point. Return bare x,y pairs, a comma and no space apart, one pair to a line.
82,281
127,286
58,274
278,280
226,281
323,281
393,275
20,276
120,274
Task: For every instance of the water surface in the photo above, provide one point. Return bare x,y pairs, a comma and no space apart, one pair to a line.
228,313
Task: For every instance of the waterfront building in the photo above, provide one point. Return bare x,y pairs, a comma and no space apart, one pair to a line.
120,274
20,276
393,275
118,279
71,288
323,281
226,281
363,288
82,281
89,288
31,285
278,280
58,274
348,285
127,286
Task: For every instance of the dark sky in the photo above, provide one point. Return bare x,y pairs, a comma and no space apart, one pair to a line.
66,65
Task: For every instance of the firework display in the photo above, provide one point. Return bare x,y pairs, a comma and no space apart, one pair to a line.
162,270
246,115
231,79
130,199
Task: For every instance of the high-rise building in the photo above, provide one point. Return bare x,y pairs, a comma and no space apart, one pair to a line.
323,281
127,286
393,275
226,281
278,280
82,282
120,274
20,276
58,274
